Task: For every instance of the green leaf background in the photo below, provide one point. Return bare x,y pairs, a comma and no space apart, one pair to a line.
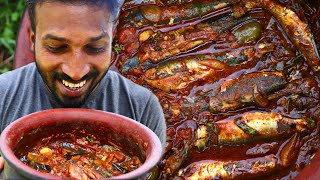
11,12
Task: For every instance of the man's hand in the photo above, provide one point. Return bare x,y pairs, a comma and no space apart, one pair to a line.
1,164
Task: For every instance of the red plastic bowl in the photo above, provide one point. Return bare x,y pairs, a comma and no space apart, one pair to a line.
123,130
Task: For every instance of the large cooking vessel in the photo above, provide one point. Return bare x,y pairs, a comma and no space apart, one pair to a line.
238,82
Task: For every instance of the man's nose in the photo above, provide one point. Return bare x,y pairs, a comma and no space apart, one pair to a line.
76,66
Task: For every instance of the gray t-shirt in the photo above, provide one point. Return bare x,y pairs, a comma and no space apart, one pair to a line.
23,91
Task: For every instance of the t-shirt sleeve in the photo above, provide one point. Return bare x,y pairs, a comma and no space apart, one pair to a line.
154,118
5,97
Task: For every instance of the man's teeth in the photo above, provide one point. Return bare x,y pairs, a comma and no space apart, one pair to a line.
72,85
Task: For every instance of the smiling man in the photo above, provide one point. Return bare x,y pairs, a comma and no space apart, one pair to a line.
71,40
72,50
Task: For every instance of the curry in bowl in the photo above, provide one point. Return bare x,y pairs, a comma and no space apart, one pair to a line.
78,144
77,155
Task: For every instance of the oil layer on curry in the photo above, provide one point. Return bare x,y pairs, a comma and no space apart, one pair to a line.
77,155
238,82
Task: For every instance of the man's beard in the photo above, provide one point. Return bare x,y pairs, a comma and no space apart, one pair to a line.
72,102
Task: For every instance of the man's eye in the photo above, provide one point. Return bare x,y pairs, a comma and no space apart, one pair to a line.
56,49
92,49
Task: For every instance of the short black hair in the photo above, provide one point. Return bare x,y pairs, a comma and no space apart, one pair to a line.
113,6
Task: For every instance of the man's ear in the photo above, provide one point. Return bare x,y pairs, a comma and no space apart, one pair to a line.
31,39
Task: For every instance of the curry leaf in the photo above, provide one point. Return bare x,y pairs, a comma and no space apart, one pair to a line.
89,139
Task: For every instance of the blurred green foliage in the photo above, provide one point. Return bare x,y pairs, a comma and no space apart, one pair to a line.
10,15
11,12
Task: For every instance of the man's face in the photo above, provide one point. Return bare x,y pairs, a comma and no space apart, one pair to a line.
72,47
